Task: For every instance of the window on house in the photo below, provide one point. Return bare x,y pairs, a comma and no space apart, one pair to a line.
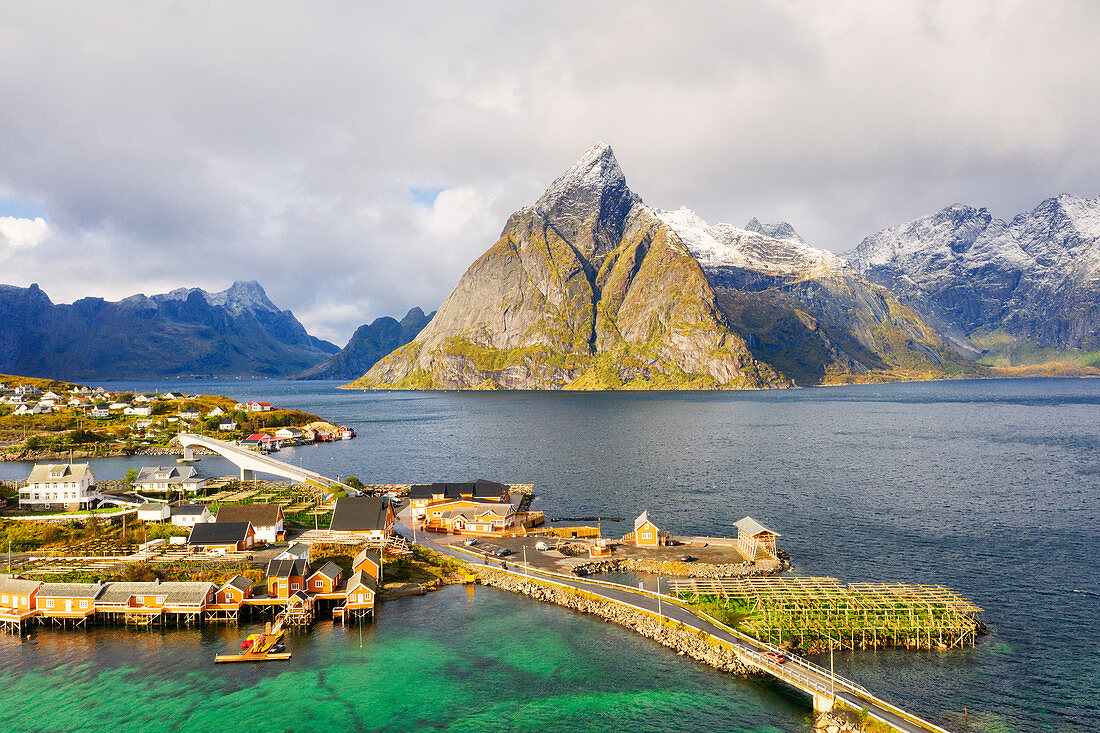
318,584
83,604
49,603
294,586
646,535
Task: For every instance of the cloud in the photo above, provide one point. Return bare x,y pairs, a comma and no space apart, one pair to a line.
188,145
17,232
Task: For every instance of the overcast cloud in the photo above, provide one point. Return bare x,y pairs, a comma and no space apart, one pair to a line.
304,145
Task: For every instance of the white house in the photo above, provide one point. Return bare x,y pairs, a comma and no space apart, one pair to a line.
266,519
142,424
52,396
258,407
142,410
118,406
154,512
216,412
27,389
190,414
188,515
62,486
169,478
227,425
99,412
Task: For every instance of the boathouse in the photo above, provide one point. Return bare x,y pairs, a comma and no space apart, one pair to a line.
646,533
359,597
367,561
235,590
65,602
753,538
266,519
154,512
325,580
285,577
18,597
421,495
371,517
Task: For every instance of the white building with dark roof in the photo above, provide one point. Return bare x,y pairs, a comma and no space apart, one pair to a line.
169,478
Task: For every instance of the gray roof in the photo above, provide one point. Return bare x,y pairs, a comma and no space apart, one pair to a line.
330,570
642,519
359,513
361,578
148,474
261,515
367,554
480,489
152,506
70,590
8,584
174,592
286,568
239,582
751,527
218,533
70,472
186,510
298,549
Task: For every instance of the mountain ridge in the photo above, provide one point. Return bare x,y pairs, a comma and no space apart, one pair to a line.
590,288
235,332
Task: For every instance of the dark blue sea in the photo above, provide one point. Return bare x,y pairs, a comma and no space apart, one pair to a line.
989,487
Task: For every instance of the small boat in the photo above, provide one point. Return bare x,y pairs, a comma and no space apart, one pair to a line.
346,433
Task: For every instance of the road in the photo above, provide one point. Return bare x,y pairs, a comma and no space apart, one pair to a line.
798,672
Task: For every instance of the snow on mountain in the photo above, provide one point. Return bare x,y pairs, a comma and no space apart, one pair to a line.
1037,276
724,245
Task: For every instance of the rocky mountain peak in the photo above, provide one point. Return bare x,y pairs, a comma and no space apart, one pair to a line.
589,203
776,230
242,296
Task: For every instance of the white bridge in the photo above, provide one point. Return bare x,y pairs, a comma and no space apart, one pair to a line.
251,462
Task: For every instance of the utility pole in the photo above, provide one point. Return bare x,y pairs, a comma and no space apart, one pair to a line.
832,675
660,614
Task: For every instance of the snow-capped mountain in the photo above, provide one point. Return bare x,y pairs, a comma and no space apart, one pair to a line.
591,288
1037,277
724,247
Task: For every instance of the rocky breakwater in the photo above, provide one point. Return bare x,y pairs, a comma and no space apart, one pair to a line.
685,641
840,721
682,569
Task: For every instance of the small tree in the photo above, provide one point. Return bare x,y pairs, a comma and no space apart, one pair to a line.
131,477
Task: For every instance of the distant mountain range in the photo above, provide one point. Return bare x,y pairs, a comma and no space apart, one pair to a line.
1025,290
368,345
236,332
591,288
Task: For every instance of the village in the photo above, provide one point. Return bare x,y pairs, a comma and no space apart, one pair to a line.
42,418
484,520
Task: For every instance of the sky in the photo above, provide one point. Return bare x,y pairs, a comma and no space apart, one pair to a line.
355,158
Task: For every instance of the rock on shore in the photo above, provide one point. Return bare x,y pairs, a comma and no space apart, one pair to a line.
686,642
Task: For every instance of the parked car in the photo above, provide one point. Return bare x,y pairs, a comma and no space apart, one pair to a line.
470,541
687,558
503,552
775,657
542,546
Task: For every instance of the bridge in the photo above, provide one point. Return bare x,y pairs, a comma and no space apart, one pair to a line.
825,687
250,462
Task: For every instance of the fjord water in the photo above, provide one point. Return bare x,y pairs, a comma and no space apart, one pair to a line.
989,487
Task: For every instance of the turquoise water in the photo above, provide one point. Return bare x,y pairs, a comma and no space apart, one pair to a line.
989,487
455,660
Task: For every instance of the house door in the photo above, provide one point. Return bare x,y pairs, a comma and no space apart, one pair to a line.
68,605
